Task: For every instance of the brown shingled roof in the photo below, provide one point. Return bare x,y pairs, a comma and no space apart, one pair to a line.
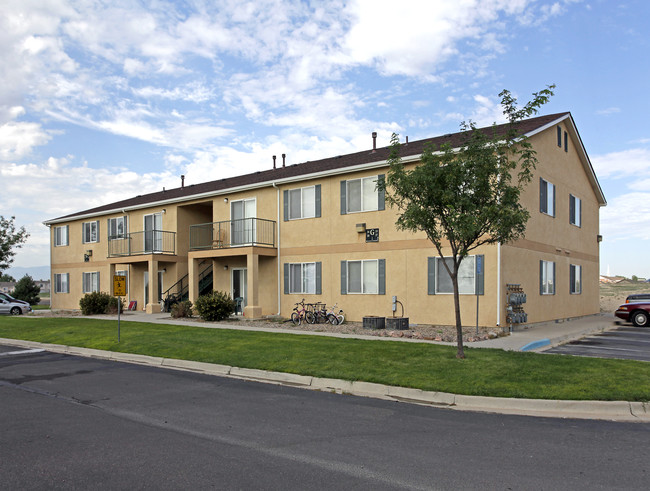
305,168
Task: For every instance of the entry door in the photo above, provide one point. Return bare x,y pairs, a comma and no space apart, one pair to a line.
153,232
239,285
242,215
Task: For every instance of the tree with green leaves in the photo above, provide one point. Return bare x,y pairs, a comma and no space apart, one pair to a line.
467,196
10,239
26,289
7,278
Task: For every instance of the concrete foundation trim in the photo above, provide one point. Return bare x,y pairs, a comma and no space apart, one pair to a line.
607,410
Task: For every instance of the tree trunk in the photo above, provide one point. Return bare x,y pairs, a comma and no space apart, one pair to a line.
459,326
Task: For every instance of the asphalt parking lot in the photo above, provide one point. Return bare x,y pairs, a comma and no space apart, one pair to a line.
624,342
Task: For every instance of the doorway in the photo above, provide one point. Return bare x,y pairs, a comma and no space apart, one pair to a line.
239,285
242,216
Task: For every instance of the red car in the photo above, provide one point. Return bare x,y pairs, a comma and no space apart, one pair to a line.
638,313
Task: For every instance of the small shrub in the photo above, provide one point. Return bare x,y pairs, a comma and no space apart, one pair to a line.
215,306
182,309
113,302
95,303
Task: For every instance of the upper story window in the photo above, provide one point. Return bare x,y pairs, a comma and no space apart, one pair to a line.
559,136
61,236
302,203
566,141
547,278
117,228
546,197
575,211
90,232
470,276
361,194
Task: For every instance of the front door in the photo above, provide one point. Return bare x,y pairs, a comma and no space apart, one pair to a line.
153,232
239,286
242,216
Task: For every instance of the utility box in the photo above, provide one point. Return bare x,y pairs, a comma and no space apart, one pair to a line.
374,322
397,323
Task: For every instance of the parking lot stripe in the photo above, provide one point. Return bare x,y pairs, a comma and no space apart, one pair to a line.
21,352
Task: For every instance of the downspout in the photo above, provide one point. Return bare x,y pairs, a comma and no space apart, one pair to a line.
52,283
279,254
498,284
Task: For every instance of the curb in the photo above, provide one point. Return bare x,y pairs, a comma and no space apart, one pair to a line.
604,410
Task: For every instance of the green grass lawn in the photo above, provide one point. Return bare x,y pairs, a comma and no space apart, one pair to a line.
485,372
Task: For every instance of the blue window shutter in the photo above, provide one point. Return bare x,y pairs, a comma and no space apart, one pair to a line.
381,193
344,207
381,290
566,142
572,278
286,204
541,277
319,278
553,278
317,196
480,277
286,278
542,196
431,275
344,278
572,209
559,136
554,195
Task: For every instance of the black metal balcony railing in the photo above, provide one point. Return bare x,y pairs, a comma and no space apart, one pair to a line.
147,242
233,233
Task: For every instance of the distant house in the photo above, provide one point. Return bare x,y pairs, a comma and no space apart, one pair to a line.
611,279
321,230
7,286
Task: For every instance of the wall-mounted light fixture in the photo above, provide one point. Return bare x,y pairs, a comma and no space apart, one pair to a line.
225,267
225,200
164,270
361,228
164,210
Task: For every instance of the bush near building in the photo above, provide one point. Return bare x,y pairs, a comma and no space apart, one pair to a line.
215,306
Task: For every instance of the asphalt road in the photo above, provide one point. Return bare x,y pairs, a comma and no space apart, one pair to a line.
76,423
625,342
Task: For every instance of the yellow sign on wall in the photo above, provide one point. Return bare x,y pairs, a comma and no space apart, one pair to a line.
119,286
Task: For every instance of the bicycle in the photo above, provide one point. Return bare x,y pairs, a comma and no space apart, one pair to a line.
335,318
298,315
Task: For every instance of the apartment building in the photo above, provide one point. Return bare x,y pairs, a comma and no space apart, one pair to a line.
321,230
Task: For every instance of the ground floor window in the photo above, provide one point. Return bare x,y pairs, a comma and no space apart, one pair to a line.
305,278
91,282
470,275
366,276
575,278
547,278
62,283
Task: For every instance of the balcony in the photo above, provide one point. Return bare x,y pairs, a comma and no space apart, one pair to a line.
139,243
257,232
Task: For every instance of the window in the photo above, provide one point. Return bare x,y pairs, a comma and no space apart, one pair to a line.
61,236
546,197
61,283
303,278
575,210
91,282
362,195
366,276
547,278
470,276
566,142
116,228
575,279
90,232
559,136
302,203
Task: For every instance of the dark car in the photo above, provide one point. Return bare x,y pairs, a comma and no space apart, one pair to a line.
638,313
638,297
13,306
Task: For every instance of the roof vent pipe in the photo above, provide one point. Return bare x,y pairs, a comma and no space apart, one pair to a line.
284,156
182,181
274,161
374,141
407,140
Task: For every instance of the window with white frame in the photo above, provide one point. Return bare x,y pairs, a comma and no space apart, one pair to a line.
301,203
61,236
366,276
117,228
546,197
575,279
470,275
90,232
362,194
302,278
124,273
91,282
575,211
62,283
547,277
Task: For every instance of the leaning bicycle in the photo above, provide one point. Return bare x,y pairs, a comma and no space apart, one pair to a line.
300,313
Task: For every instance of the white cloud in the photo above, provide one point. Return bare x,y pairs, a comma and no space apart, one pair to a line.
19,138
627,217
617,165
608,111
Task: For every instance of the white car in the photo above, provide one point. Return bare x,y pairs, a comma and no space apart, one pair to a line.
13,306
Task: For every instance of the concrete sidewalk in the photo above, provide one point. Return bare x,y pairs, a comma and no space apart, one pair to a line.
538,337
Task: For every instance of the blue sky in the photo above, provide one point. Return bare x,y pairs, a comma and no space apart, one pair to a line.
101,101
